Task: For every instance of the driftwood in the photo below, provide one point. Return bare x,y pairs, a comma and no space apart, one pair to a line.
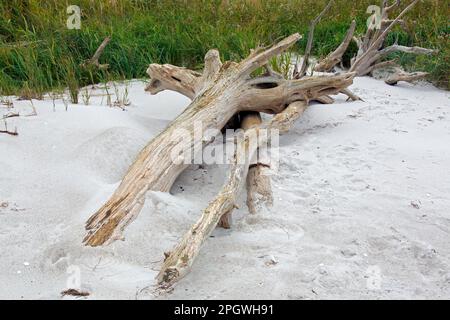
371,48
179,261
11,115
259,189
401,75
305,63
93,62
229,95
8,132
335,57
220,92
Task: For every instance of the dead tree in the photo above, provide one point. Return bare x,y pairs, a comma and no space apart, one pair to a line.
220,92
371,47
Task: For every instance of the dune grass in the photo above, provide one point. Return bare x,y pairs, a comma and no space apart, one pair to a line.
38,53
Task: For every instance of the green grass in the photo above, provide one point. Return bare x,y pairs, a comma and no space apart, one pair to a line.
38,52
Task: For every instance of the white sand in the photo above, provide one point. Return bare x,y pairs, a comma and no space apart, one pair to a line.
362,203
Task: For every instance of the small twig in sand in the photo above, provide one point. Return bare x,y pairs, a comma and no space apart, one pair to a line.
66,103
33,112
122,100
75,293
98,263
6,131
86,96
11,115
7,102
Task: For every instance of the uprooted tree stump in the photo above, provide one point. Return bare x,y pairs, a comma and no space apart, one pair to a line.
218,94
221,91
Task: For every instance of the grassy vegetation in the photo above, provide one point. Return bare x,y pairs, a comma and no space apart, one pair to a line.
38,52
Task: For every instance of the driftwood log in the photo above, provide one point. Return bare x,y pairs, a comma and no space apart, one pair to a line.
371,47
401,75
179,261
230,95
221,91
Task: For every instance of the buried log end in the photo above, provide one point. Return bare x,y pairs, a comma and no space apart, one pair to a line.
225,221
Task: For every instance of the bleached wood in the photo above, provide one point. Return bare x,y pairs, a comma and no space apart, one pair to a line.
305,63
93,62
401,75
232,90
371,46
179,261
335,57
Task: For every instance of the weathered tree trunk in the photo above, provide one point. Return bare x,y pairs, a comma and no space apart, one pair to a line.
218,94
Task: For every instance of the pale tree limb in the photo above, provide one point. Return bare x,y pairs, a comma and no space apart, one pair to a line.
335,57
414,50
400,75
93,62
179,261
351,95
370,48
325,99
259,188
305,63
10,115
231,90
382,64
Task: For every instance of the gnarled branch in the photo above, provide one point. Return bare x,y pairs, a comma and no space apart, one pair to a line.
335,57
